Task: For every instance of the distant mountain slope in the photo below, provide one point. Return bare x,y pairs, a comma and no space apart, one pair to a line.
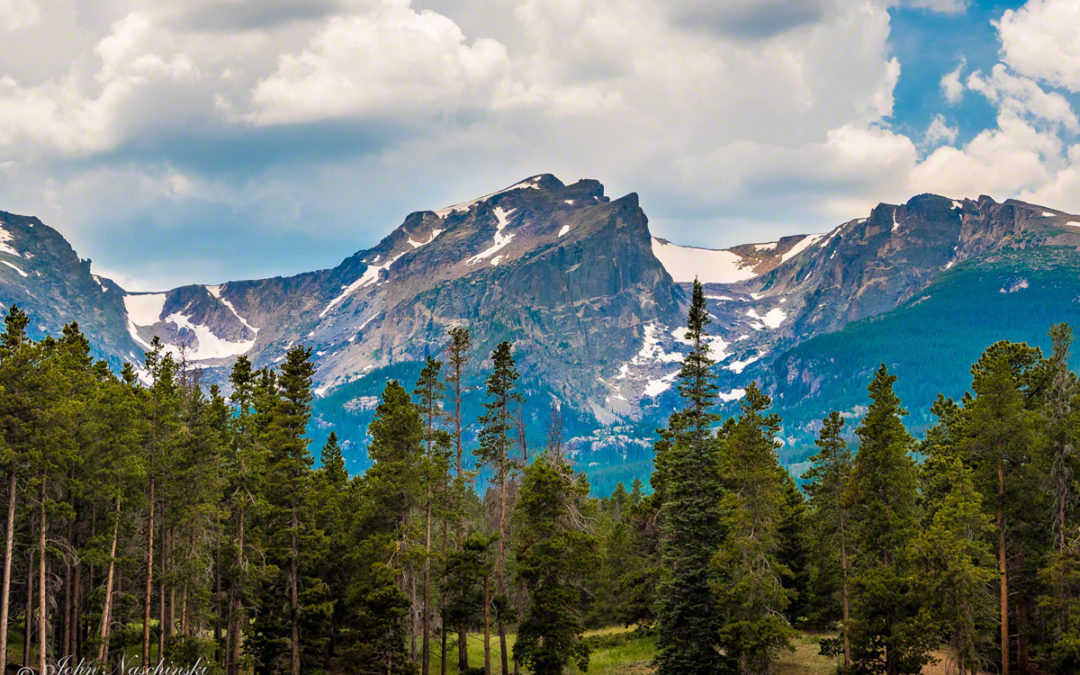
595,306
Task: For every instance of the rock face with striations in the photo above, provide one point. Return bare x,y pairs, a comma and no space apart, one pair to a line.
594,304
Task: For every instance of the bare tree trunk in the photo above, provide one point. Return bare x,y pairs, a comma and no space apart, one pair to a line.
844,591
149,580
43,624
9,549
28,634
162,596
487,627
235,602
294,596
503,657
106,618
425,666
1002,571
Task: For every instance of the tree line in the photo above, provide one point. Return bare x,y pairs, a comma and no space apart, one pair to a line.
152,519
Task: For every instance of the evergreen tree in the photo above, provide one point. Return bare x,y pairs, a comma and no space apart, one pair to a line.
887,633
687,470
955,567
999,439
827,486
749,574
554,554
496,443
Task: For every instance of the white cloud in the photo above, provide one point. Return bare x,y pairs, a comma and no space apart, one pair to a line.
18,14
941,6
939,132
951,85
1021,96
723,116
395,61
1041,40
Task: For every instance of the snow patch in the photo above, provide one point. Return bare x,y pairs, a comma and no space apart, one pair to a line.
568,201
709,266
216,292
417,244
144,309
738,366
804,244
1015,286
656,387
563,230
719,297
1047,214
209,346
733,395
5,238
465,206
1073,223
104,288
772,319
957,204
15,267
502,217
895,222
765,247
370,276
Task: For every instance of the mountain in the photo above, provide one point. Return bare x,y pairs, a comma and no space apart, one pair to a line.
595,306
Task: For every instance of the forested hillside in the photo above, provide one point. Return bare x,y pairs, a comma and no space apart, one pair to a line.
150,520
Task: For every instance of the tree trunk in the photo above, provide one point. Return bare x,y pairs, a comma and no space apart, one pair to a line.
487,627
425,655
9,549
1002,570
236,602
294,593
103,648
503,656
43,624
162,596
844,591
149,581
28,634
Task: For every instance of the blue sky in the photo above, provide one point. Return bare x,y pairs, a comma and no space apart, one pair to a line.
211,140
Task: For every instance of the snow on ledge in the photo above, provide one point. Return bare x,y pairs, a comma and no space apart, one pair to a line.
709,266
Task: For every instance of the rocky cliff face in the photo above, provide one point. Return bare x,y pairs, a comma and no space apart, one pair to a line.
593,303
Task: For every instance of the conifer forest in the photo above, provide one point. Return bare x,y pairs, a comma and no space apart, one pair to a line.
153,524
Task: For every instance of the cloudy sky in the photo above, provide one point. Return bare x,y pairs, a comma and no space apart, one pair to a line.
212,140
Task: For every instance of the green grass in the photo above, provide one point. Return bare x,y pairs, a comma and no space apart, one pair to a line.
621,651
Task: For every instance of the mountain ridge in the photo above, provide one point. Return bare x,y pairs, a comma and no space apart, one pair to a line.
593,301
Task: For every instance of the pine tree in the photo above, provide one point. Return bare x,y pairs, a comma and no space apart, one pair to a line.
554,554
429,395
687,479
496,443
954,566
999,437
457,356
887,633
827,486
750,576
389,492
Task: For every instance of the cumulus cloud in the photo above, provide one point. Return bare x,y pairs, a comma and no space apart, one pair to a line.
1020,96
951,85
266,115
395,61
1041,40
939,132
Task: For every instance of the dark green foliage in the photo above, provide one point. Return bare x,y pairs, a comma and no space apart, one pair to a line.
554,554
687,479
756,504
